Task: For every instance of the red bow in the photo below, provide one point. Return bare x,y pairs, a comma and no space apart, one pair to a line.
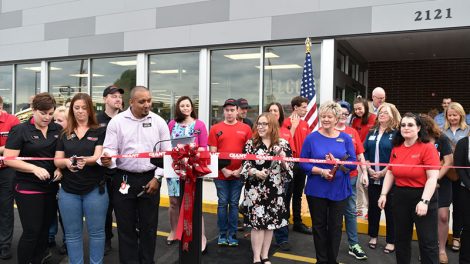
188,164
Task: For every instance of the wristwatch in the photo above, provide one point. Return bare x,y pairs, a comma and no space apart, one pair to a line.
426,202
159,178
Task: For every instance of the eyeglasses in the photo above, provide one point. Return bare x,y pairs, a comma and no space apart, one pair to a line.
383,113
262,124
344,114
407,125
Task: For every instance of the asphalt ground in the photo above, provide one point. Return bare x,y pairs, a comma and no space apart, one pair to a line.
303,250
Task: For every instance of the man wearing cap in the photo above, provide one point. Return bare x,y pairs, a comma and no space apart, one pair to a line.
243,107
7,176
112,97
230,136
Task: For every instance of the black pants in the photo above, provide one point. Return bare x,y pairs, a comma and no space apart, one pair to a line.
295,191
464,257
36,212
132,212
374,213
404,210
7,176
457,209
327,221
108,227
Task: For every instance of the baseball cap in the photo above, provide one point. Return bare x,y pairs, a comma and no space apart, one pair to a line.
112,89
243,103
230,101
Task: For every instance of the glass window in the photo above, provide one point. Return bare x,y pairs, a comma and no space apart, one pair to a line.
6,76
283,67
28,83
234,74
341,61
120,71
66,78
171,76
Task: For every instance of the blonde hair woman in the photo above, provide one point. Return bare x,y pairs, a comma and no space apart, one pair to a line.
455,128
327,189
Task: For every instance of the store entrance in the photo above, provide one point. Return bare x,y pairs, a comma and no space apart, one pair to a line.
416,69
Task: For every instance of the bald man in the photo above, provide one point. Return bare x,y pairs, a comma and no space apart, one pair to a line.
378,98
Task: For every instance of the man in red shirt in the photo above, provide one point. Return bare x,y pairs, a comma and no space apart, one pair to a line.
299,130
229,135
7,176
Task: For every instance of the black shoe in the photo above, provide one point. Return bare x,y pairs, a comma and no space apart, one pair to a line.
63,249
240,226
301,228
107,247
285,246
5,253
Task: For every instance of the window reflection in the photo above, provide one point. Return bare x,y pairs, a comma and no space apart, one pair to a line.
234,74
66,78
6,75
172,76
283,66
28,83
120,71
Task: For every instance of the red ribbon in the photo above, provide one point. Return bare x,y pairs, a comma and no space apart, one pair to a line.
188,164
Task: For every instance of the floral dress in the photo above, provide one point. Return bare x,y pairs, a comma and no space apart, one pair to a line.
264,199
179,130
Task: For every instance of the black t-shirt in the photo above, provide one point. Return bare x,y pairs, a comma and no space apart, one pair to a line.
444,148
85,180
248,122
103,119
31,142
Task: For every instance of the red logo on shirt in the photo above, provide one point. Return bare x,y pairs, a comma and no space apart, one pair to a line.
415,156
92,138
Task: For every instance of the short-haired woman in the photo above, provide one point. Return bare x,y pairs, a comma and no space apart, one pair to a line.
327,189
414,199
83,192
265,185
36,180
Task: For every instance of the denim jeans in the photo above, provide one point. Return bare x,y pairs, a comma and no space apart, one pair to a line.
350,215
73,207
228,192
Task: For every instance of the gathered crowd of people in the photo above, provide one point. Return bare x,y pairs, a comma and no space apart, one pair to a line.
398,163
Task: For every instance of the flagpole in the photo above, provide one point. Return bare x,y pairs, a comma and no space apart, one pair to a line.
308,45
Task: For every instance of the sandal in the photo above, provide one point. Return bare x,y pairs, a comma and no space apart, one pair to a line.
372,245
388,251
456,244
265,260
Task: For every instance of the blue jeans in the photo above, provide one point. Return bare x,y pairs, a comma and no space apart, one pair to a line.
93,206
228,192
350,215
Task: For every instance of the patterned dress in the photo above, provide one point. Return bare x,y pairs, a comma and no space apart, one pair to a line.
179,130
264,199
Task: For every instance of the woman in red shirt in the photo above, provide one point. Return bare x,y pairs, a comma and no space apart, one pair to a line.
414,199
362,120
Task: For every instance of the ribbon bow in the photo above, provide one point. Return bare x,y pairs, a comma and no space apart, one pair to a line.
189,164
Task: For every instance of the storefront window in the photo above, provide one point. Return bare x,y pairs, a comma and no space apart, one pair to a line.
234,74
120,71
170,77
28,83
283,66
6,76
66,78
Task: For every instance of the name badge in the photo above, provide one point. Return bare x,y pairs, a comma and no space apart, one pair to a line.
147,124
35,137
372,138
339,140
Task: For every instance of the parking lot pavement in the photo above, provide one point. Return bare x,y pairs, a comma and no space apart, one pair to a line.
303,250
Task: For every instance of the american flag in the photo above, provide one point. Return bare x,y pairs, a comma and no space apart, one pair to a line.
307,90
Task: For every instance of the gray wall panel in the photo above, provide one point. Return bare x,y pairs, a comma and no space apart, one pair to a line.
124,22
34,50
191,14
70,28
325,23
11,19
97,44
13,5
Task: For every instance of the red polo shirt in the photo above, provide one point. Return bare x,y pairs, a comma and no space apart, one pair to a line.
7,121
300,134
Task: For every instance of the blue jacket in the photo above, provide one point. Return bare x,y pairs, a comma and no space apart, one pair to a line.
385,146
